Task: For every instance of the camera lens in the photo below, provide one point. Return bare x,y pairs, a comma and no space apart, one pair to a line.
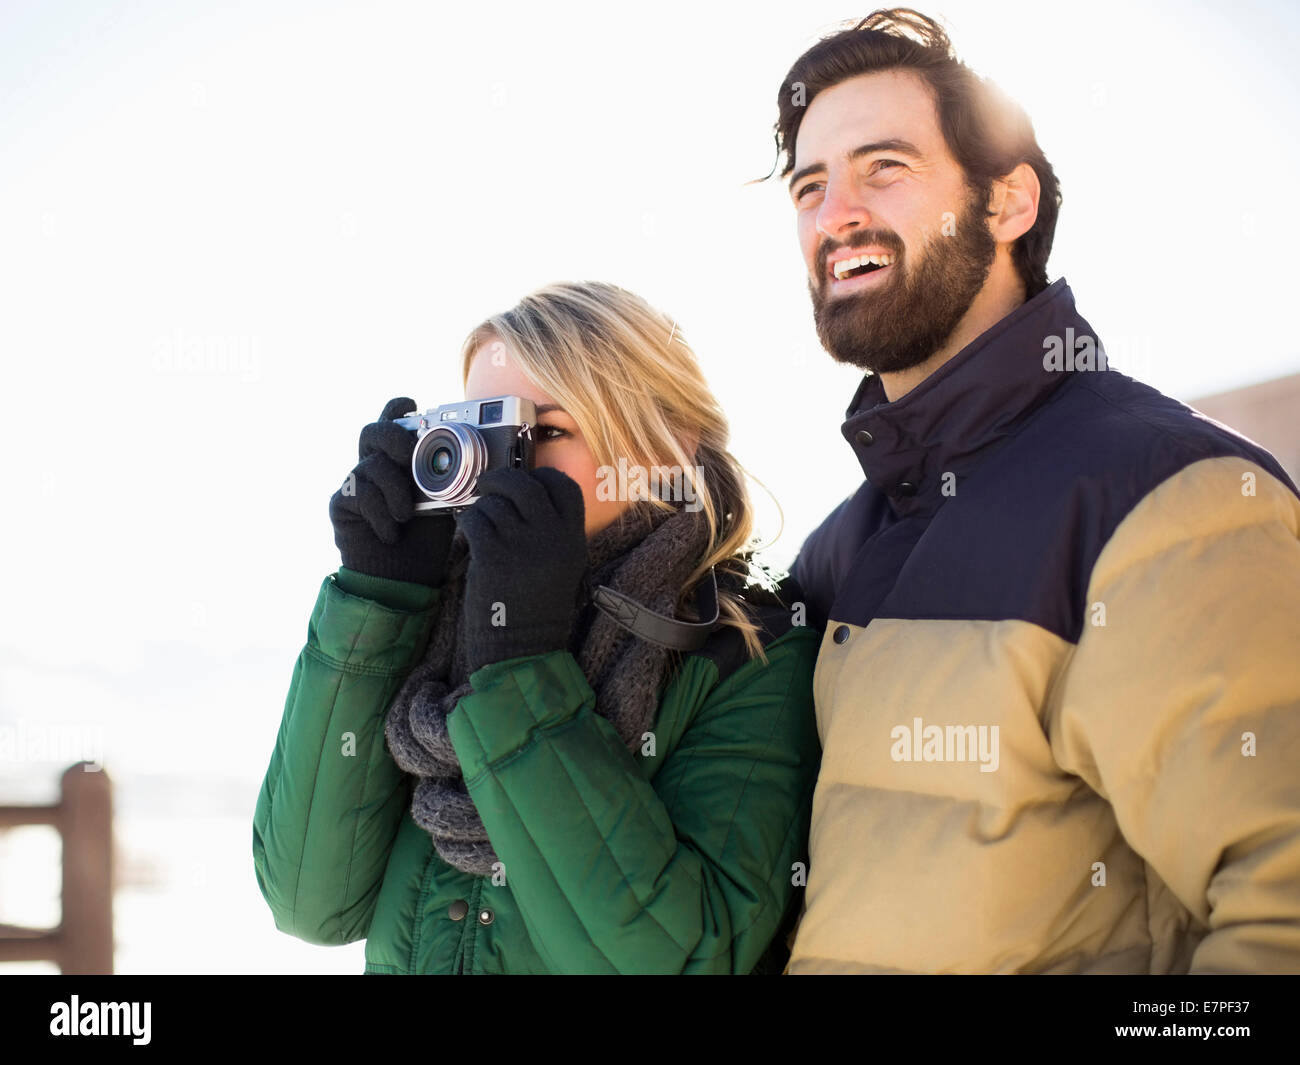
447,462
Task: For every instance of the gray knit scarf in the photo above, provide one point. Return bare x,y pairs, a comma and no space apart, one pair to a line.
647,553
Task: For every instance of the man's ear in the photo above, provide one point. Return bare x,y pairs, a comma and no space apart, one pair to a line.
1013,204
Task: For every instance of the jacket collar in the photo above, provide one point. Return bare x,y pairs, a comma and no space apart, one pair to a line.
971,403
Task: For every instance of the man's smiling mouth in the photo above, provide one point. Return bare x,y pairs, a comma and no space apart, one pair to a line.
862,264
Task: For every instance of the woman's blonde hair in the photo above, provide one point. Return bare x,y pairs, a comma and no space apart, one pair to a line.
625,374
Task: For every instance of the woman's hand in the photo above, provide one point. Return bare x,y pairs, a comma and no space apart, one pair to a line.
375,523
528,555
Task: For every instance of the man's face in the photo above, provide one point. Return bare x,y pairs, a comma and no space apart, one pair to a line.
873,176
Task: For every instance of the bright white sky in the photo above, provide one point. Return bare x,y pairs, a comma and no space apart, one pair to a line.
331,195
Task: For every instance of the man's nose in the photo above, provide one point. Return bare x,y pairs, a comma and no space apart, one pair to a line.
842,211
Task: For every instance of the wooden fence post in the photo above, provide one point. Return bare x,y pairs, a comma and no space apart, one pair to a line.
83,942
86,934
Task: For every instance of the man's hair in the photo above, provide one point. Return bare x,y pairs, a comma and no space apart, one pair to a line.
987,133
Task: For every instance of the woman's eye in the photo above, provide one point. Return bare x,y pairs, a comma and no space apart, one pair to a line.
546,433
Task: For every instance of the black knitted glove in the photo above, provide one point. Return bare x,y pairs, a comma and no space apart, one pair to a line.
528,558
375,523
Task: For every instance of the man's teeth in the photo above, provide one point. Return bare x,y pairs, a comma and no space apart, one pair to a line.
845,265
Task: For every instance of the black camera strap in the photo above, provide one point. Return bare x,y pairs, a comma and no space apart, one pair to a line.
668,632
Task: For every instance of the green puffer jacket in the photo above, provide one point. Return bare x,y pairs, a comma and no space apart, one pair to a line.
676,861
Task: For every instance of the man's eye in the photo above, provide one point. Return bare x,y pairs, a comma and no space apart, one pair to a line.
811,186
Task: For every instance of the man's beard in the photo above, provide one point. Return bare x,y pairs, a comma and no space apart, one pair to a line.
904,322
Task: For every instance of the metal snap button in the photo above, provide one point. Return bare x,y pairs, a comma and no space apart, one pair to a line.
863,437
458,909
485,916
841,634
906,488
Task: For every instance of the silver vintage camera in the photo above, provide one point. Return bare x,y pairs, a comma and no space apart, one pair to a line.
460,441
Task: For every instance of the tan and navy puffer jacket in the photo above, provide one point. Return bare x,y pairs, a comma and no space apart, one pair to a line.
1059,687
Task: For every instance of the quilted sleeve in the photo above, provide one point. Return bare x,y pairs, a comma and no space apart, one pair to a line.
1181,704
613,873
332,797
